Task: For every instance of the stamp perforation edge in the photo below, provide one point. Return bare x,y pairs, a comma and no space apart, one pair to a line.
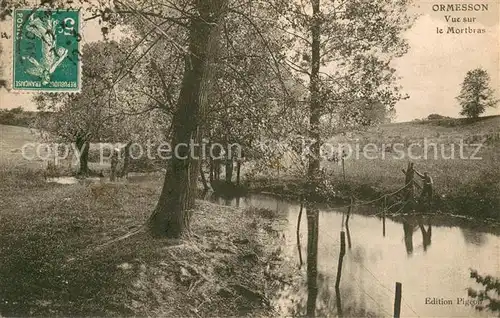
10,51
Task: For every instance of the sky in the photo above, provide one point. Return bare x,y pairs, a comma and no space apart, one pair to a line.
430,73
436,64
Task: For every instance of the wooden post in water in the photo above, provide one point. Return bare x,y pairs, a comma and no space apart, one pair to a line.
339,272
349,212
397,300
347,223
298,232
384,207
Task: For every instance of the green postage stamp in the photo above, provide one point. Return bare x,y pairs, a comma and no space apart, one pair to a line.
46,50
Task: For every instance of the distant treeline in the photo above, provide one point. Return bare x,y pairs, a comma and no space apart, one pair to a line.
446,121
17,117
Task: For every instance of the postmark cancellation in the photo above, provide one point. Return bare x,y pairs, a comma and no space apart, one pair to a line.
46,50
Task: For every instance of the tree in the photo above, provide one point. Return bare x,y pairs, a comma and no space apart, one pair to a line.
80,118
342,52
205,75
356,40
193,28
173,210
476,94
240,108
96,114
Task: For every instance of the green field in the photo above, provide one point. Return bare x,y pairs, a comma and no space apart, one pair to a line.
12,139
443,129
468,180
449,168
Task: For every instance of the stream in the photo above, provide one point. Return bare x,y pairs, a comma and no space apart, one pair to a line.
430,258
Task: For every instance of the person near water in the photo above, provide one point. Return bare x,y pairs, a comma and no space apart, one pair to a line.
427,187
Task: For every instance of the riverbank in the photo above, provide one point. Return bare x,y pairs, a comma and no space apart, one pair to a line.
61,257
479,199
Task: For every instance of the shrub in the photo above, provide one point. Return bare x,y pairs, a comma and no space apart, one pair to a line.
436,116
480,198
489,297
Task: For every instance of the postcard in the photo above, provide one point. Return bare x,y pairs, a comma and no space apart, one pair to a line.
269,158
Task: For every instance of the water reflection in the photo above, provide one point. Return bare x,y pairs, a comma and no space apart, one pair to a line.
426,234
339,274
299,246
473,237
374,263
312,258
349,243
409,228
408,233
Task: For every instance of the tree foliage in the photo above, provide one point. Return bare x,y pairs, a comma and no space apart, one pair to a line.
89,112
476,94
358,41
108,109
240,71
489,296
341,51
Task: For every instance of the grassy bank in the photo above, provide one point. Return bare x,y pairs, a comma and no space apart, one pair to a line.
461,155
17,117
58,258
472,193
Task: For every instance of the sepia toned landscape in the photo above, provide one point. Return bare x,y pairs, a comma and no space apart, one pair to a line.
222,158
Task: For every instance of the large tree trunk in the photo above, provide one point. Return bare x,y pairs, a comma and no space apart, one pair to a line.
206,187
238,172
229,167
126,160
212,171
83,147
172,213
315,105
314,163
